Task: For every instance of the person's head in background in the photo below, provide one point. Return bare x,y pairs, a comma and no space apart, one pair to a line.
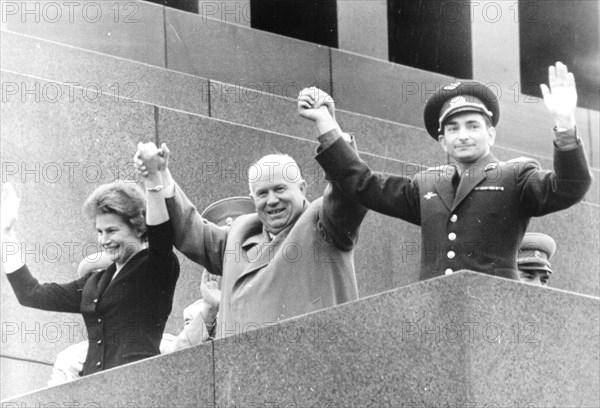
534,257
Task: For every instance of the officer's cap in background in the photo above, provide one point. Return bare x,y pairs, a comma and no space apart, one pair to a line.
463,96
536,251
224,211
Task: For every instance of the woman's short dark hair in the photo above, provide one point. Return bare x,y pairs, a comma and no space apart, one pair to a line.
124,198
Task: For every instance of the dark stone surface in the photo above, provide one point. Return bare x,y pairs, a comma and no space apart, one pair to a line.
181,379
460,339
250,58
133,29
431,35
315,21
551,31
92,71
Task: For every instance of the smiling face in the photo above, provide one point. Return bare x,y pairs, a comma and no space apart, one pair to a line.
118,240
278,191
467,137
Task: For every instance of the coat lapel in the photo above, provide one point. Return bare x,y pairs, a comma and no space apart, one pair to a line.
105,280
444,188
265,252
470,178
126,270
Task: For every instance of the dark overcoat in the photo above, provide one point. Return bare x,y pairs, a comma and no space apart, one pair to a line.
125,318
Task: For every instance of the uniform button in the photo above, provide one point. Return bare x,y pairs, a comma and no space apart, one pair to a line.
99,320
99,341
452,236
453,218
451,254
448,271
98,364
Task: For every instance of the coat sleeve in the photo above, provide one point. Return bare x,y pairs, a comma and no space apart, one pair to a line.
160,249
546,191
198,239
397,196
48,296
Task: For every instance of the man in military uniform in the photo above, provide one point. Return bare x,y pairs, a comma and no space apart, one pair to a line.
534,258
474,211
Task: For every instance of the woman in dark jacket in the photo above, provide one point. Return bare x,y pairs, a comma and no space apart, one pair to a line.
125,307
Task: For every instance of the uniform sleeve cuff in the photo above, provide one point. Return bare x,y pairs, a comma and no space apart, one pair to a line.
566,139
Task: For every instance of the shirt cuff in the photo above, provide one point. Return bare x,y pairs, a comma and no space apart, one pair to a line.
566,139
329,138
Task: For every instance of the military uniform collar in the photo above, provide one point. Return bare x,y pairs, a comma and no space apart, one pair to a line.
486,163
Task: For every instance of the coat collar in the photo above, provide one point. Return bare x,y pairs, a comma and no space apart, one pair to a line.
107,280
268,248
471,177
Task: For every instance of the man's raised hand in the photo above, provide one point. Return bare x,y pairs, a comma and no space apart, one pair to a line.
560,96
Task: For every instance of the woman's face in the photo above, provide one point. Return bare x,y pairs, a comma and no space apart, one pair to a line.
118,240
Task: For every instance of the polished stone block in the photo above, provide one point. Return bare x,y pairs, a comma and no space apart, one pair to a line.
132,30
239,55
181,379
229,11
537,344
455,340
382,89
363,28
68,68
373,135
448,341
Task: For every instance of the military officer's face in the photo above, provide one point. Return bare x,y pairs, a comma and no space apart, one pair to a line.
538,277
467,137
278,191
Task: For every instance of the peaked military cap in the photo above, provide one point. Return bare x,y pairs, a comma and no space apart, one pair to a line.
462,96
535,252
224,211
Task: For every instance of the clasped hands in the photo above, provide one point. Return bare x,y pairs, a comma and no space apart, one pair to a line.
149,160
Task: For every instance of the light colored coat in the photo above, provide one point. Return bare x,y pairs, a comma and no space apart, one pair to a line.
307,267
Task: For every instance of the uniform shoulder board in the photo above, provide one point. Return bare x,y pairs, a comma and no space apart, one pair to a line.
491,166
524,160
439,169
